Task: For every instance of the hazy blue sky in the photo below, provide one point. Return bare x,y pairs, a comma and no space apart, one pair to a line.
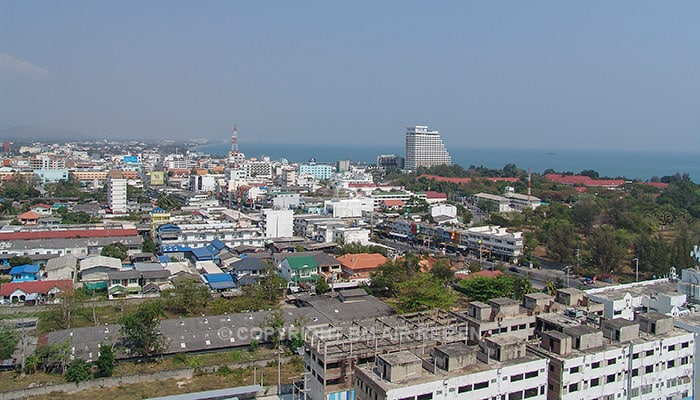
555,74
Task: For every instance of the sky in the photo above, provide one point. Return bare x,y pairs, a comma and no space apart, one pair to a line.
516,74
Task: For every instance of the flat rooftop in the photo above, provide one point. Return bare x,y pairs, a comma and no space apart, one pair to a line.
637,289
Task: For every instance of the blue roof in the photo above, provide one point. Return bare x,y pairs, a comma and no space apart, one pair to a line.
164,259
174,248
202,254
220,281
169,227
158,210
24,269
218,244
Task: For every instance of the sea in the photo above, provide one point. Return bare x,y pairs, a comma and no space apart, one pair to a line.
640,165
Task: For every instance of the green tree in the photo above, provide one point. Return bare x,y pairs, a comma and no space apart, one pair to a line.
584,214
560,239
105,361
521,287
423,292
442,271
20,260
682,246
384,280
186,296
483,288
654,253
115,250
149,246
8,342
321,285
608,248
78,371
141,330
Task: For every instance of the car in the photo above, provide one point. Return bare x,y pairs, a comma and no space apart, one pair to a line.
514,269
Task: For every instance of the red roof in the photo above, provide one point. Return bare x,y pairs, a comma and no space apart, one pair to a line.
431,194
467,180
41,206
362,185
658,185
29,215
83,233
446,179
583,180
393,203
41,287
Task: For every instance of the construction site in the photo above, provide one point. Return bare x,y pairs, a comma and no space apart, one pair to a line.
333,350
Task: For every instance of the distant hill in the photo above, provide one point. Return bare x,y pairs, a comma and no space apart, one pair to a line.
30,133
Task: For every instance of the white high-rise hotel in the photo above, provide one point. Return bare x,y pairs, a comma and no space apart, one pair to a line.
424,148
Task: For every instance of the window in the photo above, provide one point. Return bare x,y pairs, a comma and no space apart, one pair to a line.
515,378
595,365
649,353
649,369
611,361
635,372
684,360
635,356
573,387
425,396
532,392
515,395
672,347
465,388
610,378
595,382
684,345
481,385
670,363
531,374
573,370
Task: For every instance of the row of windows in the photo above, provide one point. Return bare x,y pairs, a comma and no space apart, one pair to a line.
527,375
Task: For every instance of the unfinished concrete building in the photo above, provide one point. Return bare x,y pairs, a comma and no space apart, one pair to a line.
332,351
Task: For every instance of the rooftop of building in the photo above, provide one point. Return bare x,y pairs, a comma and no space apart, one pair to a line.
637,289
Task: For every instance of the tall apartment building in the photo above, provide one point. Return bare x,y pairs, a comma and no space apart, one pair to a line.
424,148
116,192
500,369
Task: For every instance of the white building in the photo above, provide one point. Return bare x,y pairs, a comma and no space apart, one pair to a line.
626,300
116,192
354,234
447,210
278,223
285,200
643,359
493,241
348,208
501,369
424,148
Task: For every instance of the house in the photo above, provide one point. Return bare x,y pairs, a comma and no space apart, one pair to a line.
328,266
61,268
357,267
219,282
29,218
25,273
35,291
93,271
44,210
248,270
298,269
123,282
152,273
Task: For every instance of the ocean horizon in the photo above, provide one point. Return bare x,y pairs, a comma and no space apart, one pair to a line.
630,164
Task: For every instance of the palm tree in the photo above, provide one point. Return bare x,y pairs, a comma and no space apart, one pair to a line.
550,288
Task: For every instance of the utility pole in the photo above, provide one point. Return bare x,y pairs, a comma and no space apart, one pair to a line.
636,269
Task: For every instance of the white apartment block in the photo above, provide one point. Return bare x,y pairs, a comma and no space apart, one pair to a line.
424,148
347,234
285,200
205,183
643,359
501,369
443,209
493,241
258,169
624,301
116,192
200,235
278,223
348,208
